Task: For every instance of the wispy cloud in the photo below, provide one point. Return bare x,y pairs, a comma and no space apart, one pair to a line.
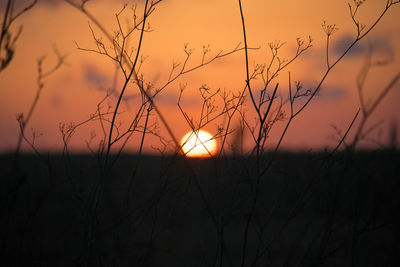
94,76
333,93
172,99
380,44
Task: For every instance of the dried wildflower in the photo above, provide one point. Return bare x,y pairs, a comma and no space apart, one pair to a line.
329,29
275,45
358,2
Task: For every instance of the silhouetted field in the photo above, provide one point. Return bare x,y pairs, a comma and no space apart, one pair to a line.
311,210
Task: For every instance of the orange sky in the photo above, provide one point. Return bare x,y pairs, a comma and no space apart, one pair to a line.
72,93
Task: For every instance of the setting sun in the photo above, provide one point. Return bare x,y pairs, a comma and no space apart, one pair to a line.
202,145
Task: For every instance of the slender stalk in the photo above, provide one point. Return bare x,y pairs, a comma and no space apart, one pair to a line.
5,25
247,61
126,83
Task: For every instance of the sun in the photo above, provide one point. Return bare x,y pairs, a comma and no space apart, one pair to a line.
199,144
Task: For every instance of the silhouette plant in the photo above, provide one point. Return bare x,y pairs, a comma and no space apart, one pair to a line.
259,138
8,39
244,217
368,107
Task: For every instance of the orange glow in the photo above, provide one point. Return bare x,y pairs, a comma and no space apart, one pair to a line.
72,94
198,145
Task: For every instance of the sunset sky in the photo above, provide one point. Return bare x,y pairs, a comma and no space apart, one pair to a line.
72,93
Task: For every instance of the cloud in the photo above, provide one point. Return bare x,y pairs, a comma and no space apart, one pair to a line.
172,99
380,44
93,76
325,93
51,2
332,93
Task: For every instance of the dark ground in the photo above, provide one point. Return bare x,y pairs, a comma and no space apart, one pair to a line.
311,210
